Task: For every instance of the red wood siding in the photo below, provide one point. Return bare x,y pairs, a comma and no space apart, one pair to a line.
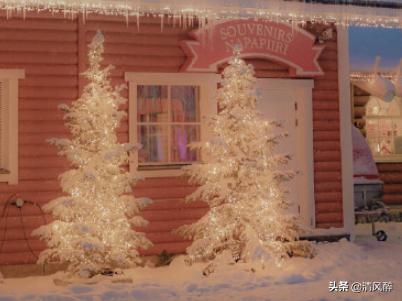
52,50
390,173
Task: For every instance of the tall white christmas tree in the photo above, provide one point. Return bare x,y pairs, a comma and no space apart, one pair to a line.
92,228
242,181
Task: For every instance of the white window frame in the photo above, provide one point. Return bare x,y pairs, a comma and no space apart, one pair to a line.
207,83
9,135
391,158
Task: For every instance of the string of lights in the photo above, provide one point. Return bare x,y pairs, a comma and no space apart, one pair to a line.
344,13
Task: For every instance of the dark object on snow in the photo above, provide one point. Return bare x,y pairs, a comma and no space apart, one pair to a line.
381,235
164,258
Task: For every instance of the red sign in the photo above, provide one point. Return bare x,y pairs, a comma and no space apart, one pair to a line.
213,45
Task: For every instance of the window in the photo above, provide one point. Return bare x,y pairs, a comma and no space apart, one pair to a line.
384,129
9,124
167,113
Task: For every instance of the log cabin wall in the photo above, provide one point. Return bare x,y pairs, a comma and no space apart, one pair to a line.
52,50
390,173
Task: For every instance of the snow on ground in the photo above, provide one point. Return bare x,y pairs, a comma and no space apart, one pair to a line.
298,279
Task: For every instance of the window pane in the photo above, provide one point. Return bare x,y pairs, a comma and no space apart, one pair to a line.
182,135
397,135
380,135
378,107
154,143
152,102
185,104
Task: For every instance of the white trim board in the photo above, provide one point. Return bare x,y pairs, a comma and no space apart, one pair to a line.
10,78
345,130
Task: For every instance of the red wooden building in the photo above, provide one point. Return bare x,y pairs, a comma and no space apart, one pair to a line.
304,83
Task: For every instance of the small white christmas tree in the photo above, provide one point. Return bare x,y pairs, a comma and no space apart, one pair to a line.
242,182
91,231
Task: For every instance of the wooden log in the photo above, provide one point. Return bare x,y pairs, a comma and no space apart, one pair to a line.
145,29
328,65
327,156
328,197
143,50
49,92
16,234
325,126
391,178
393,189
328,207
326,135
329,55
182,214
12,246
42,115
325,106
38,24
46,69
389,167
38,47
327,166
271,74
360,92
327,145
38,35
39,138
325,95
326,115
129,60
360,100
138,39
24,257
327,176
326,85
329,217
392,199
50,81
26,210
359,112
335,186
47,173
30,186
15,222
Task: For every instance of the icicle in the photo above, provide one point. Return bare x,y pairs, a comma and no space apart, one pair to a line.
161,16
138,21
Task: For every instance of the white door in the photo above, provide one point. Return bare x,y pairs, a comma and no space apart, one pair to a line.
290,102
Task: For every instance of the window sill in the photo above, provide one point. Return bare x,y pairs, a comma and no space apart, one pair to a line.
160,173
388,159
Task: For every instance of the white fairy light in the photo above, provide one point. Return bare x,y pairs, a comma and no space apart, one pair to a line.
242,181
293,11
91,231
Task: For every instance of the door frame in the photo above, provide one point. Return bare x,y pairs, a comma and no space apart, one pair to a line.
302,89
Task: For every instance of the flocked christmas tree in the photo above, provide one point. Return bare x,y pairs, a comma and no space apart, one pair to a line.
242,181
92,228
